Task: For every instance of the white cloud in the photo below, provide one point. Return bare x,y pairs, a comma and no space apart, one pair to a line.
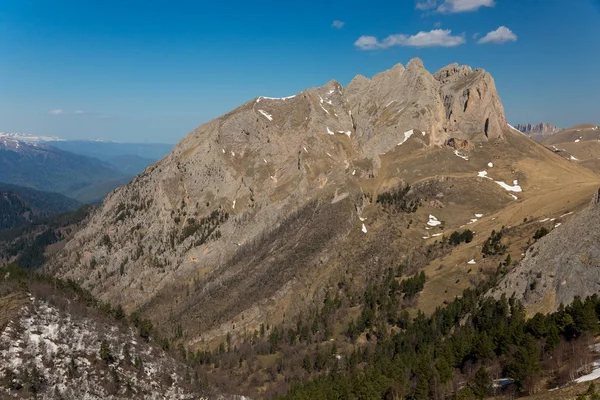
434,38
500,35
426,4
79,112
476,35
437,24
458,6
338,24
57,112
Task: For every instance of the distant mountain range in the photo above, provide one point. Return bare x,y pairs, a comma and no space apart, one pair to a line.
21,206
538,132
83,170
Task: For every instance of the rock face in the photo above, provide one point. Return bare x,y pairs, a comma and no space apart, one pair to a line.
538,132
194,216
559,266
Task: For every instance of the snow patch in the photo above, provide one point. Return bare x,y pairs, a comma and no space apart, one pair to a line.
329,131
514,188
479,215
267,115
572,158
460,155
364,228
433,221
471,262
595,374
482,174
274,98
491,164
407,135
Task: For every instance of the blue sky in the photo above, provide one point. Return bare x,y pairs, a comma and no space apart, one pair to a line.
154,70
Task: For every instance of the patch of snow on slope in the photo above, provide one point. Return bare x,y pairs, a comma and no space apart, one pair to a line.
324,109
364,228
472,262
267,115
274,98
514,188
433,221
347,133
572,158
460,155
407,135
595,374
578,140
479,215
491,165
482,174
514,129
329,131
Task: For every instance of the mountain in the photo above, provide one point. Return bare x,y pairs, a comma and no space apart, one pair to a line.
130,164
57,342
129,158
579,144
561,264
105,150
260,220
44,167
538,132
20,205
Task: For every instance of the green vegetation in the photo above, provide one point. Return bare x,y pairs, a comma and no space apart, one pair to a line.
27,244
205,227
422,360
399,200
22,205
493,245
540,233
457,238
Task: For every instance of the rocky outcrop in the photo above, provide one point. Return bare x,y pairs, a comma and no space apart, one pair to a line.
538,132
459,144
559,266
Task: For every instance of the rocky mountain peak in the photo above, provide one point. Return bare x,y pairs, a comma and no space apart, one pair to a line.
232,180
538,131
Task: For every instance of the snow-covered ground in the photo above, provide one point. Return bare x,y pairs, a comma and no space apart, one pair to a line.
65,350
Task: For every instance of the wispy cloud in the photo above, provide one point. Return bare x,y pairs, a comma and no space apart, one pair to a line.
453,6
424,5
105,117
475,35
79,112
56,112
500,35
434,38
338,24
